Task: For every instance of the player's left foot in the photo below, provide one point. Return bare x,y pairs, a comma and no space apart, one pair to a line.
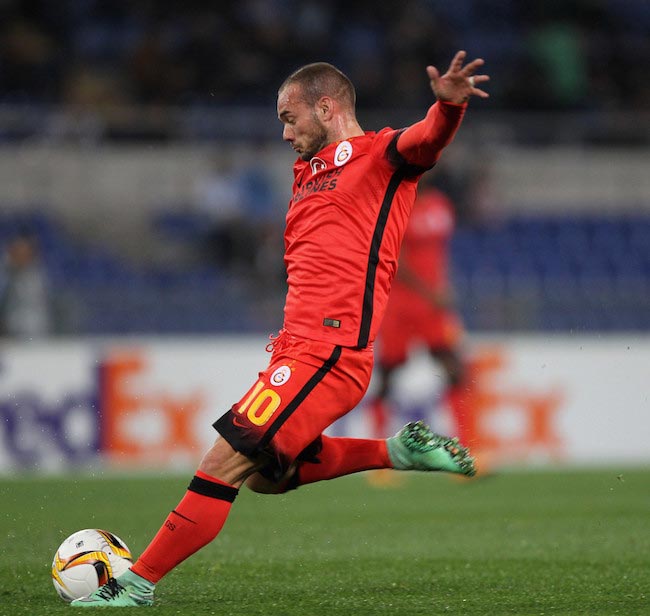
416,447
124,592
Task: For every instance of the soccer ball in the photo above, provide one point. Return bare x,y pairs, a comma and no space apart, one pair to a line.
86,560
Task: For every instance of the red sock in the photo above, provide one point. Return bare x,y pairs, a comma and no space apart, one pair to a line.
379,415
457,399
342,456
195,522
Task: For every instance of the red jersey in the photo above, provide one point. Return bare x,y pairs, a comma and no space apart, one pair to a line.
345,225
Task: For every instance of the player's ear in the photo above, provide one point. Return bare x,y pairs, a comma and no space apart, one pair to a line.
325,107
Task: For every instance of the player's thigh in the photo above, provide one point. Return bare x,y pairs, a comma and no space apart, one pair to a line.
313,410
293,401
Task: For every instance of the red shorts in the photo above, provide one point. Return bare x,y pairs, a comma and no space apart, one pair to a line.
307,386
407,324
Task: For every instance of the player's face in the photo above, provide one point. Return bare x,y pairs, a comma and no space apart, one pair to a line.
302,128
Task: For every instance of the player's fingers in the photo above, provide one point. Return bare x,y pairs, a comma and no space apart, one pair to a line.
471,67
476,79
457,61
432,73
480,93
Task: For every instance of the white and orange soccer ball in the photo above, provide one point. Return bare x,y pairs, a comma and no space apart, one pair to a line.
86,560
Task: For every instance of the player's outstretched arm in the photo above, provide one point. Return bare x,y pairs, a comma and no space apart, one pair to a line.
422,143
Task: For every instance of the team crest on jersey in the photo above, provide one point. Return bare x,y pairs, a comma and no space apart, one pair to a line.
317,164
343,153
280,376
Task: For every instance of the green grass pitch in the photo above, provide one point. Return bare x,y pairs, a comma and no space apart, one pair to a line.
569,542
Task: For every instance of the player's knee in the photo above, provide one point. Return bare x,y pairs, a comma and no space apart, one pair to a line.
224,463
453,365
456,375
260,484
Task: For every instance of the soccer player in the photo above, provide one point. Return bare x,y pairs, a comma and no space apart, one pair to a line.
421,310
352,196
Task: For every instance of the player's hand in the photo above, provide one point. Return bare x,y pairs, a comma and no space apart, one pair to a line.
459,82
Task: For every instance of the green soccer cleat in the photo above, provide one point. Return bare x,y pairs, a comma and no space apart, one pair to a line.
416,448
128,591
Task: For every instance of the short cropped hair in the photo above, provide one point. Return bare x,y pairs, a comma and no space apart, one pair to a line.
322,79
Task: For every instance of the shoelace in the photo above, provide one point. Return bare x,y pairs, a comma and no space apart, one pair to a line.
111,589
278,342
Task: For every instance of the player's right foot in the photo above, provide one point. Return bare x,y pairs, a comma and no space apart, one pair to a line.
129,591
415,447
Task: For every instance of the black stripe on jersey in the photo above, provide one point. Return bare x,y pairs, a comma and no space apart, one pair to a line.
398,161
404,170
373,257
307,388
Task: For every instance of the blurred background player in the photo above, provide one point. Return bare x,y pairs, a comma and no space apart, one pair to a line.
421,312
24,294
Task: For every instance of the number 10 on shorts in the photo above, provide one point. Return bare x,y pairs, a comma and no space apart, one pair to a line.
260,404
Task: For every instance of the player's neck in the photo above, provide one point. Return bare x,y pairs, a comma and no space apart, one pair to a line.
344,127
